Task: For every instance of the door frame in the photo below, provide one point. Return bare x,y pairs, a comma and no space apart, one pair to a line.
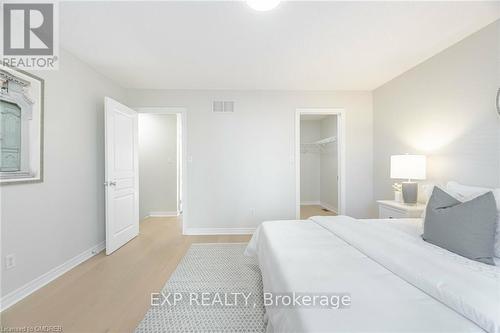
341,135
181,113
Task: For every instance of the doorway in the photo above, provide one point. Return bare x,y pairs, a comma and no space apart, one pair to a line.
319,162
158,169
122,168
162,162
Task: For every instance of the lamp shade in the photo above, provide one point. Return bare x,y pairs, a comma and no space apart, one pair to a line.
408,166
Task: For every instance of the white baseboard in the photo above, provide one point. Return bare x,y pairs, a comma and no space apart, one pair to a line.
32,286
329,207
218,231
163,214
310,203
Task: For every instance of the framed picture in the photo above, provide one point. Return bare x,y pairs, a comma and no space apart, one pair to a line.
21,126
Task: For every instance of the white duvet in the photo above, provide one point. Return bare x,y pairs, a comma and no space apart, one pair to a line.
398,282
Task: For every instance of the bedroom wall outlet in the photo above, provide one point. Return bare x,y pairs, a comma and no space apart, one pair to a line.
10,261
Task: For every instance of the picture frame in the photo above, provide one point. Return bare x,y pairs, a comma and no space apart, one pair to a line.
21,126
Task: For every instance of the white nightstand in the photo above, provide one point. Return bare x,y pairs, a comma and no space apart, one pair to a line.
390,209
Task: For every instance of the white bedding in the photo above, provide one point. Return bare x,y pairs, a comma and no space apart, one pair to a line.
397,282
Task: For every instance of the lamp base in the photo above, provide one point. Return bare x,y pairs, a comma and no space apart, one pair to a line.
410,192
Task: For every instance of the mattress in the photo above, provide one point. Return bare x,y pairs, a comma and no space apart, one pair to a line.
397,282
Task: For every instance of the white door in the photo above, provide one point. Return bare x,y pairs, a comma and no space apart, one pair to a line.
121,174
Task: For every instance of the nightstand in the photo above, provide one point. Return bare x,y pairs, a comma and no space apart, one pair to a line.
390,209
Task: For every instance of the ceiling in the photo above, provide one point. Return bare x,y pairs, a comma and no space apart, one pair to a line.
298,46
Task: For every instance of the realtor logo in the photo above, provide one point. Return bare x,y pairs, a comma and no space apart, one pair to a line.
30,35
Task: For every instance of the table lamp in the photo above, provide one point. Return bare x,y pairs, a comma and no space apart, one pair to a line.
410,167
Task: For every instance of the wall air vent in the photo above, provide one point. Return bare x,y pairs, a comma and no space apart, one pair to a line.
223,106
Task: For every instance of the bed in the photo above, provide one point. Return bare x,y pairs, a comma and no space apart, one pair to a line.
396,281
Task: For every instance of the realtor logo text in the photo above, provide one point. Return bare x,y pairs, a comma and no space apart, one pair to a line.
30,35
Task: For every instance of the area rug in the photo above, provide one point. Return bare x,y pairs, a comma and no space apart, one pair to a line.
215,288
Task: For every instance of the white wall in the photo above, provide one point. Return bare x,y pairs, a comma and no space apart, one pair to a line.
309,163
444,108
46,224
157,163
329,165
242,170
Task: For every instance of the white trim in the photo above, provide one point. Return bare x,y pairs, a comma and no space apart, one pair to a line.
310,203
329,207
218,231
341,129
182,113
225,243
32,286
162,214
161,109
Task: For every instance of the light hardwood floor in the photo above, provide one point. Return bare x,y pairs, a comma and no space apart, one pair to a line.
306,211
111,293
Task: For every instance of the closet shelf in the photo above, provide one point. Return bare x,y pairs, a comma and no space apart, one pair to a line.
321,142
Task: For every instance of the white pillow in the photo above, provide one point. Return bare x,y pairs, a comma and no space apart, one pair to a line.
426,190
466,193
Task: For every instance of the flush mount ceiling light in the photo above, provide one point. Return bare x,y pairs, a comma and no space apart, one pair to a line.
263,5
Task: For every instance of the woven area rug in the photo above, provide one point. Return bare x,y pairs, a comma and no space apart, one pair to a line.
217,270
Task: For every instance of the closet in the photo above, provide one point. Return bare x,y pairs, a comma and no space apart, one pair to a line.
319,194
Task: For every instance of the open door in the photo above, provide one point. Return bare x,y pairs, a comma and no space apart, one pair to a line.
121,174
